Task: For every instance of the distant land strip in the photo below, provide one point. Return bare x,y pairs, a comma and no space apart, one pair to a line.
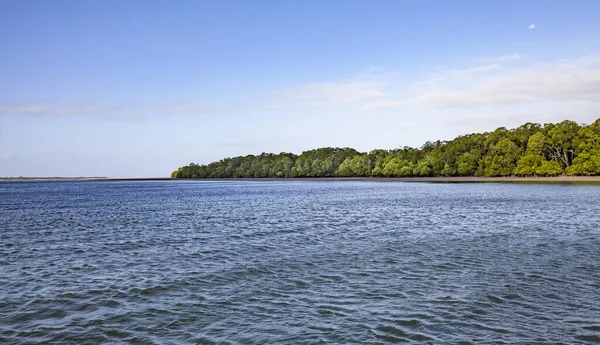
56,178
22,179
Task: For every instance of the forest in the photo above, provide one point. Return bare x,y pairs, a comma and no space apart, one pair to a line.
565,148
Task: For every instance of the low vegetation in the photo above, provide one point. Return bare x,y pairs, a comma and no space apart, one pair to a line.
566,148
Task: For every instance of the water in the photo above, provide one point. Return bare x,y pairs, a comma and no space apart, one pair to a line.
298,262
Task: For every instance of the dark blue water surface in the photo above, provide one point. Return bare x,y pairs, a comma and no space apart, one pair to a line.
298,262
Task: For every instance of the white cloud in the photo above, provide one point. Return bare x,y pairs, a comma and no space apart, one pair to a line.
327,94
563,81
125,117
501,92
514,56
490,85
531,26
189,107
451,77
50,111
122,112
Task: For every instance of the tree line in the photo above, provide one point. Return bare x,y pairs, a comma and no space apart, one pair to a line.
565,148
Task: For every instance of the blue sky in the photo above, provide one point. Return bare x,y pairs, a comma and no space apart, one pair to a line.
139,88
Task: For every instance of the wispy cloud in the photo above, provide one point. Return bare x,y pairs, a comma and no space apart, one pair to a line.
514,56
124,117
327,94
563,81
51,111
186,107
113,113
121,112
451,78
504,91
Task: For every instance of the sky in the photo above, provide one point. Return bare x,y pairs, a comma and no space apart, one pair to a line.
138,88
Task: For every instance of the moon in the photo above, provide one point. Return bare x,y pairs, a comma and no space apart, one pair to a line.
531,26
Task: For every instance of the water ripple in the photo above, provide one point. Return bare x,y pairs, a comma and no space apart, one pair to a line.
298,262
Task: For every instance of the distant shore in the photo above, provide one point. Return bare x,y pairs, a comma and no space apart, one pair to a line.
464,179
73,179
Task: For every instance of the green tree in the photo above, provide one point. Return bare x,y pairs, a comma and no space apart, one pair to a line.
527,150
423,168
467,163
528,164
561,141
549,168
501,159
357,166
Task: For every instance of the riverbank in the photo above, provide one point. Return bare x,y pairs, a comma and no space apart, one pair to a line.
464,179
448,179
510,179
74,179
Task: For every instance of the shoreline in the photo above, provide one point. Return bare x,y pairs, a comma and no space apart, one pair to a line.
82,179
441,179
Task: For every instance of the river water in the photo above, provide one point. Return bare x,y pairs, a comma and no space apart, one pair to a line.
290,262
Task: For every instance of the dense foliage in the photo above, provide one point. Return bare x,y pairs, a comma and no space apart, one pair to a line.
530,150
